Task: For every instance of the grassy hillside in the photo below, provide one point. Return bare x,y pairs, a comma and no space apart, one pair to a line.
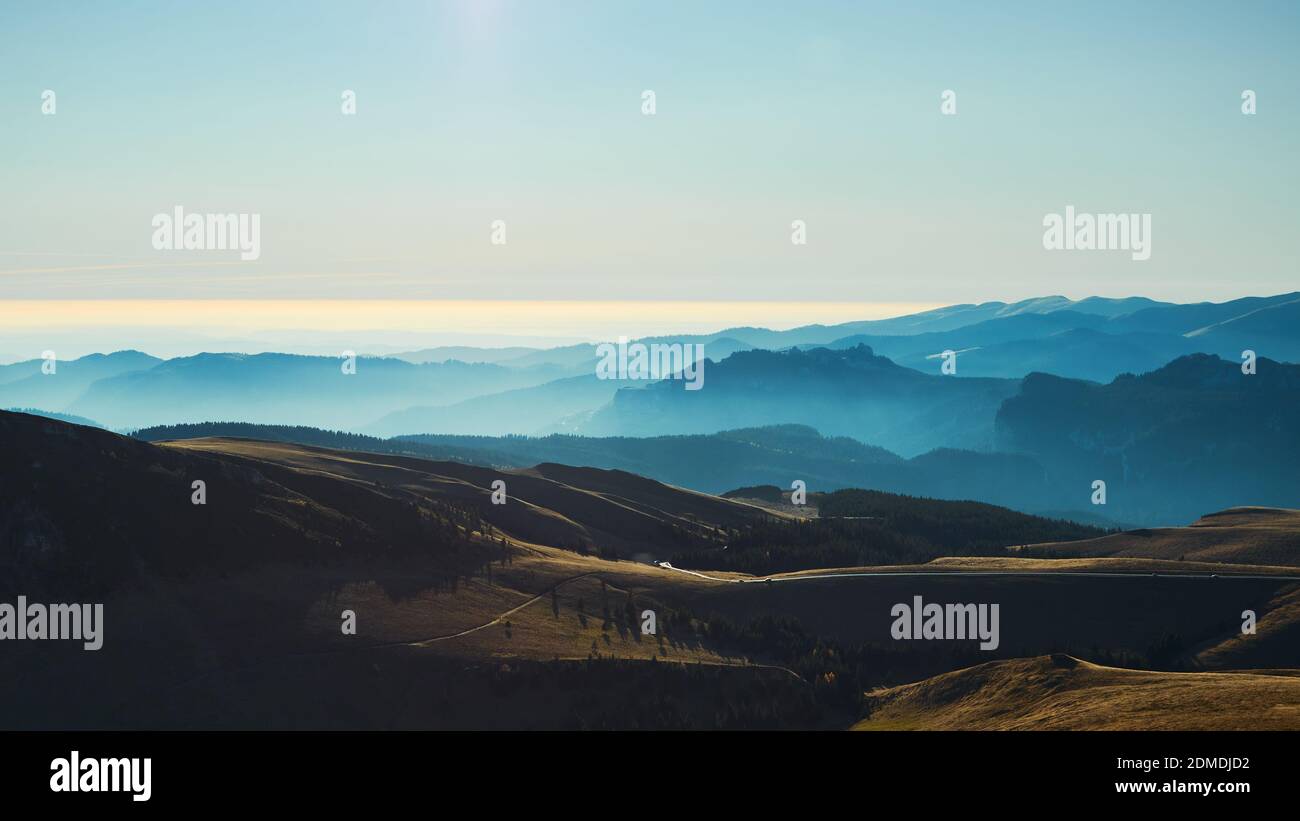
1060,692
84,512
1240,535
470,614
582,509
711,463
867,527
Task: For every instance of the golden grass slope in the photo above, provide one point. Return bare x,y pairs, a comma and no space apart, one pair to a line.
1239,535
1060,692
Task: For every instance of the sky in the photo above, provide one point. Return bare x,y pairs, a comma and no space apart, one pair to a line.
531,113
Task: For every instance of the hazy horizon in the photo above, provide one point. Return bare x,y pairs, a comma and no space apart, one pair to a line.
169,328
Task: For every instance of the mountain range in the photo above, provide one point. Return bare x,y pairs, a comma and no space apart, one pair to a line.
1197,434
1048,396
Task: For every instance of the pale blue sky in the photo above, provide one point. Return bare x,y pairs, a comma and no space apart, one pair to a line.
530,112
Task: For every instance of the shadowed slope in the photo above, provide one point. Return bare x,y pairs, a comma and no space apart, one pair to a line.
612,512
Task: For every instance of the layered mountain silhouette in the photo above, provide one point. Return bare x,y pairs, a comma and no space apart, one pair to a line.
1070,342
470,390
530,410
283,388
31,384
1166,442
1197,434
936,320
850,392
711,463
1049,395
